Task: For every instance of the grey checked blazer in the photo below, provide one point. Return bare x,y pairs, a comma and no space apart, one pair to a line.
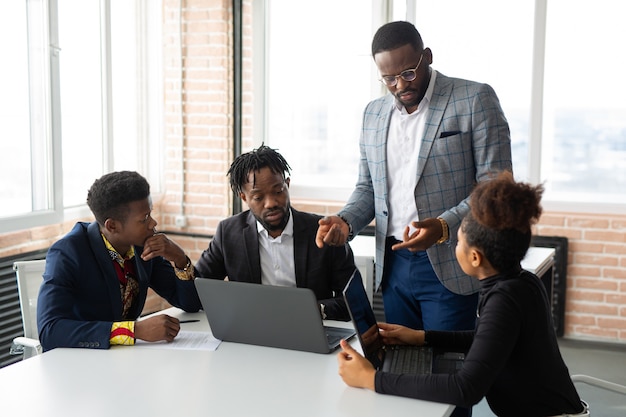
466,139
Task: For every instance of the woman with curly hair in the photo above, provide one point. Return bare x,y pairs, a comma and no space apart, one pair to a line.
512,356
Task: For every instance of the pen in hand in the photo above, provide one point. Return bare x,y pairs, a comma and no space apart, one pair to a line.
188,321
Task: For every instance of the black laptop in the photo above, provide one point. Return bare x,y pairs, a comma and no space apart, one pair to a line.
400,359
266,315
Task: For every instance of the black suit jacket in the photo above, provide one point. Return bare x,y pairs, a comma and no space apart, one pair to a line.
234,253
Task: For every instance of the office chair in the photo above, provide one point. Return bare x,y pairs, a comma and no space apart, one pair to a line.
598,383
29,277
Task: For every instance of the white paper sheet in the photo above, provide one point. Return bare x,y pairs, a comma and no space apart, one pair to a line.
185,340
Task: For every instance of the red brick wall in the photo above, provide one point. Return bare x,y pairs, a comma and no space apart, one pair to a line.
596,273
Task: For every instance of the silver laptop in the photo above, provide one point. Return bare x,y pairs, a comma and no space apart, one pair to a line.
266,315
399,359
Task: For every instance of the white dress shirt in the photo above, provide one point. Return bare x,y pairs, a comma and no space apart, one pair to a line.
403,144
277,256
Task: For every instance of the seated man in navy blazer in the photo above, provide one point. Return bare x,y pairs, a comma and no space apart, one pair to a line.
97,276
272,243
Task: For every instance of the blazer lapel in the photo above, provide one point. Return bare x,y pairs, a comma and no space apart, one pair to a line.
438,104
142,280
106,267
301,241
251,249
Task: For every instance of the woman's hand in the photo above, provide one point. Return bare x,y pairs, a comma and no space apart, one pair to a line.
395,334
354,369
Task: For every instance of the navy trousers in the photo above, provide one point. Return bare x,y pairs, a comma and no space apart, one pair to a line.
414,297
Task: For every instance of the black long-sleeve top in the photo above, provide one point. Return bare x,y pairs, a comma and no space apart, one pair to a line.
512,359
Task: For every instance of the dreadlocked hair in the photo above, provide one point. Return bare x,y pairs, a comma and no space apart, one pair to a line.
253,161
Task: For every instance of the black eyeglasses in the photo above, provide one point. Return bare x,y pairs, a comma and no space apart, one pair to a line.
407,75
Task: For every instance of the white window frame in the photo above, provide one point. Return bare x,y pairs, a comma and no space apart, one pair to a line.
48,156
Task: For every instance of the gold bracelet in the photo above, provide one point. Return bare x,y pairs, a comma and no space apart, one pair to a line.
445,231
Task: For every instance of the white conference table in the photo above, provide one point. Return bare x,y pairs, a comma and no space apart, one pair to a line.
538,260
234,380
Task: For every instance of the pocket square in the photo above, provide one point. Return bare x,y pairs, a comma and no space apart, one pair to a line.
449,133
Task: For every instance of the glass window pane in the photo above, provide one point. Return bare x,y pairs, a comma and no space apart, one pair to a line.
125,51
81,97
584,131
489,41
319,79
14,112
24,109
136,88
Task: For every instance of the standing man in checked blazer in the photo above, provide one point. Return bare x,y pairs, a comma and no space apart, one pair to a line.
423,148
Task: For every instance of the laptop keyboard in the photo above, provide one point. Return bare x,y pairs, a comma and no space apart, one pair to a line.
333,339
335,334
411,360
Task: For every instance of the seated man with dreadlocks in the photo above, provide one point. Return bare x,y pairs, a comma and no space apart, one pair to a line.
272,243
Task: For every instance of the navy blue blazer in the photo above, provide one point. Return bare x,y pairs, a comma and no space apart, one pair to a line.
80,297
234,253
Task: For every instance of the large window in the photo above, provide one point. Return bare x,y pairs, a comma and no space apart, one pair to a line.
24,109
318,75
552,63
76,102
318,85
83,120
584,117
489,41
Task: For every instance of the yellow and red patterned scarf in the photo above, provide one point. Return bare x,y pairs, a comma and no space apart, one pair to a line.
126,275
123,333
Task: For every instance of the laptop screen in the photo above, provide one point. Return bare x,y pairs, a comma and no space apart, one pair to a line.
364,319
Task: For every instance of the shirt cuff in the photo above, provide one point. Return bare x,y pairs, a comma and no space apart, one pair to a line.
122,333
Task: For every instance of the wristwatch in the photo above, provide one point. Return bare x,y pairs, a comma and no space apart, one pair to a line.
445,235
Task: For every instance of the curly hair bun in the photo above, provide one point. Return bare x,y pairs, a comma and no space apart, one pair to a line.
502,203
